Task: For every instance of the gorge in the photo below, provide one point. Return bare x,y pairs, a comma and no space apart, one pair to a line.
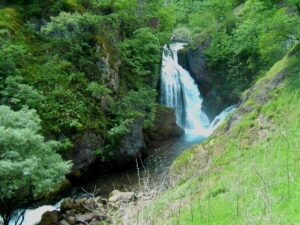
149,112
179,91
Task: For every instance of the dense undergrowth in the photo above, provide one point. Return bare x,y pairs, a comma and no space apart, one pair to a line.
83,64
85,67
241,39
248,171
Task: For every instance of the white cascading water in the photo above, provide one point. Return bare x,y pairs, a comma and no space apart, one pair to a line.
33,216
179,91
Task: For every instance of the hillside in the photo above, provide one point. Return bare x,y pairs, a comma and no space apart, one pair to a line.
248,171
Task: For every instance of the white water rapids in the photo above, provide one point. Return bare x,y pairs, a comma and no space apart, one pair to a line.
179,91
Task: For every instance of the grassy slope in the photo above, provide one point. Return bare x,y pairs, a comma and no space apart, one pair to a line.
248,172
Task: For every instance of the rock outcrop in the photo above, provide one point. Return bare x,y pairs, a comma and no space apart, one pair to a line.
132,144
91,210
165,126
81,211
118,196
85,160
193,60
83,155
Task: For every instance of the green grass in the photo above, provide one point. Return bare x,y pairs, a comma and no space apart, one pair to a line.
254,176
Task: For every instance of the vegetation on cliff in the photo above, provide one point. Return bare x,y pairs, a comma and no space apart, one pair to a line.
87,69
82,64
241,40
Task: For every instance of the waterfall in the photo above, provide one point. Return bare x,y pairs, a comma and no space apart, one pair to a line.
179,91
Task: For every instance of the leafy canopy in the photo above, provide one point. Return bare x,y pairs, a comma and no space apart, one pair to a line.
29,165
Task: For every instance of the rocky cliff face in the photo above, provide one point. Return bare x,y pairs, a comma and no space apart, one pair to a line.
83,155
193,60
132,144
86,161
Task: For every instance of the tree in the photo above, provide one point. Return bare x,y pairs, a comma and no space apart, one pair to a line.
17,94
29,165
141,58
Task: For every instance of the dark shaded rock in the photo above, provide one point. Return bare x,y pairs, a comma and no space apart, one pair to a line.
83,155
193,60
50,218
165,126
69,204
132,144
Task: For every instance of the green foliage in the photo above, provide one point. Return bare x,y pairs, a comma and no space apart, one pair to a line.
245,40
29,165
97,90
117,132
64,111
9,19
141,102
141,58
11,55
17,94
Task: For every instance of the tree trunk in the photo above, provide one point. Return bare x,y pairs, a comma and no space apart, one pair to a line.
6,218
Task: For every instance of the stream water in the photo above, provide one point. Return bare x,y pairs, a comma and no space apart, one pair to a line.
179,91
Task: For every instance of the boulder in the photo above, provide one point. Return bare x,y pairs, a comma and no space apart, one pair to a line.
87,217
165,126
68,204
50,218
132,144
83,155
118,196
76,211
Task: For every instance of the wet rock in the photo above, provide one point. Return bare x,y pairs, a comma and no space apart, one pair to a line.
117,196
165,126
67,205
50,218
193,59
